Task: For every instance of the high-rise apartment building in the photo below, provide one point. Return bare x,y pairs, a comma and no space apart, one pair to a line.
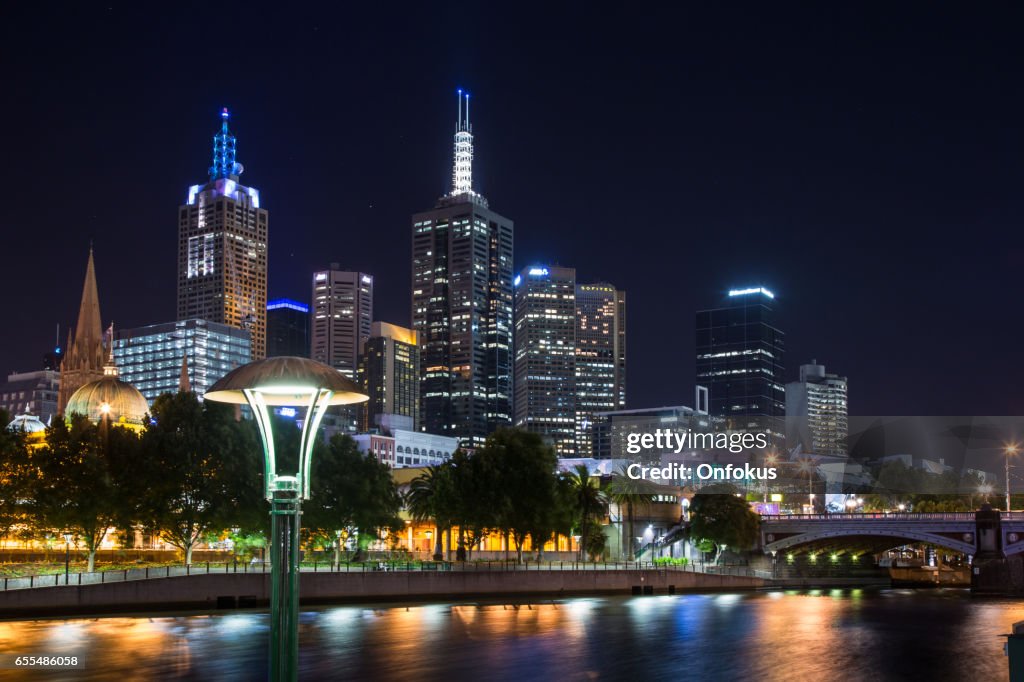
600,357
740,360
85,357
389,370
222,249
462,305
545,355
816,412
341,315
287,328
152,358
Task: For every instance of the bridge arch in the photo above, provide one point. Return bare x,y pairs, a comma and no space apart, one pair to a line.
954,531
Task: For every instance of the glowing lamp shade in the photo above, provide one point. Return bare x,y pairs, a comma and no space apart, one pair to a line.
280,382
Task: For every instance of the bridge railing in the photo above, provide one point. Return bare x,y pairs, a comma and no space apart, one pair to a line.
511,566
883,516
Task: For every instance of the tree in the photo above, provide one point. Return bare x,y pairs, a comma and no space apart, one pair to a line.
79,483
474,485
724,519
199,470
629,493
430,499
351,491
589,503
525,501
15,475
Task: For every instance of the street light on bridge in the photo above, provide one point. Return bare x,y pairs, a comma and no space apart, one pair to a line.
1011,449
285,381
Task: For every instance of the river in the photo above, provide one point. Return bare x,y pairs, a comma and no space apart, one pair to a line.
785,635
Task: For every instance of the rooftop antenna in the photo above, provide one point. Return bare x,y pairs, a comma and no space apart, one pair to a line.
462,170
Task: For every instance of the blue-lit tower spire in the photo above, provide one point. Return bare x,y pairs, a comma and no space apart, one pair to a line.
224,165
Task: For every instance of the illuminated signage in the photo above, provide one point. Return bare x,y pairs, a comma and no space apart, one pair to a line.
754,290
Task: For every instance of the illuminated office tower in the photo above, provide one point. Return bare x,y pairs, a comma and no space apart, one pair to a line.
816,412
462,305
222,249
389,370
341,315
287,328
740,360
600,357
545,357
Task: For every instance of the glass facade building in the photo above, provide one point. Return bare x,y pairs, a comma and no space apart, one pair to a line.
287,329
600,357
389,370
545,355
150,358
740,359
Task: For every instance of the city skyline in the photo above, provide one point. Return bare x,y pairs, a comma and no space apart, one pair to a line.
826,220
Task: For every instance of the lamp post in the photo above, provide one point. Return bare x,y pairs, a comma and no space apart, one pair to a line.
285,381
67,556
1010,449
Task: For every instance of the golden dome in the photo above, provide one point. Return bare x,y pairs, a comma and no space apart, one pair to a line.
118,401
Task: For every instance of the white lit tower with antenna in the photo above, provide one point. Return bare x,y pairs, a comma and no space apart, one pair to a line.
462,304
222,248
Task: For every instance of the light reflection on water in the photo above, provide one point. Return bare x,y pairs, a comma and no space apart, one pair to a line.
822,634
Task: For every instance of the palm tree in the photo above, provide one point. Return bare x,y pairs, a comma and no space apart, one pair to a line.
627,493
426,502
588,500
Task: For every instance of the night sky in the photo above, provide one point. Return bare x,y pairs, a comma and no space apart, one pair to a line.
865,164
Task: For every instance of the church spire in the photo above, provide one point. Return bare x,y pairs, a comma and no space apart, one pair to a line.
87,349
184,385
224,165
462,169
84,357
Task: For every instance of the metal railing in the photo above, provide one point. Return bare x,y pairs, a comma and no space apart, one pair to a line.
883,516
241,567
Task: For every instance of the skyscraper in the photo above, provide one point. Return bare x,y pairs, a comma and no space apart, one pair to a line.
389,370
462,305
342,312
85,359
150,358
287,328
222,248
816,412
545,355
740,360
600,357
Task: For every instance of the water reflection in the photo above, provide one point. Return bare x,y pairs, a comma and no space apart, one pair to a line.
824,634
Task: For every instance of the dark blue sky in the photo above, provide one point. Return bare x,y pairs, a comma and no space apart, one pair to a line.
862,162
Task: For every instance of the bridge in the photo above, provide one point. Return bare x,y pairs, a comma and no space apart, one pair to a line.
875,532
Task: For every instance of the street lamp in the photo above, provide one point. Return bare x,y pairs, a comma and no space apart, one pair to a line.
67,555
1010,449
807,466
285,381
